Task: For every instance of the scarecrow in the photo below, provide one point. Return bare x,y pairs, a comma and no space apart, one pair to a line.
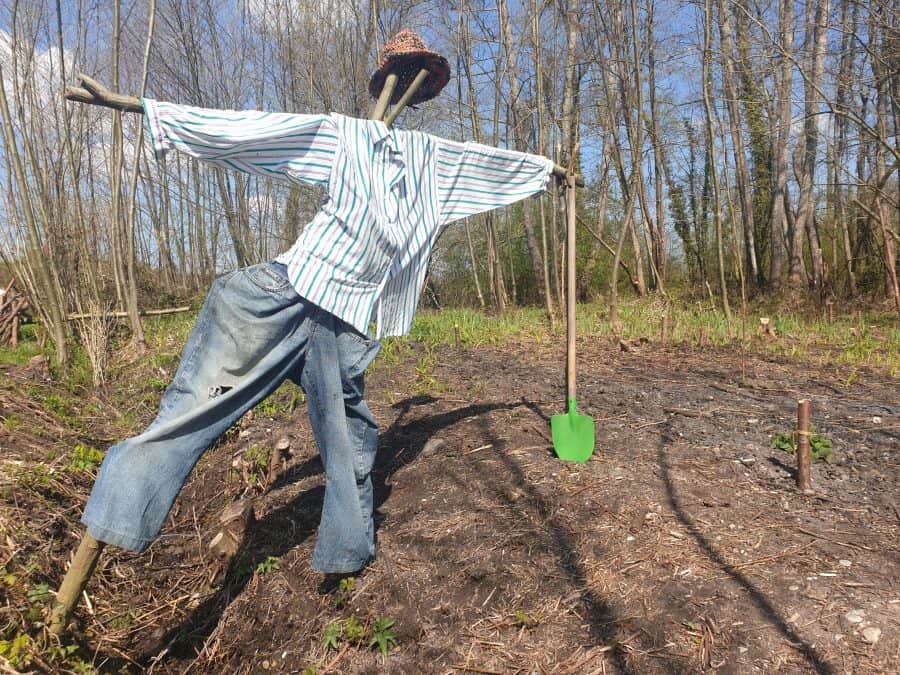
306,315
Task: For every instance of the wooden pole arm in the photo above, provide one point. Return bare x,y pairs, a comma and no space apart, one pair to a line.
95,93
561,174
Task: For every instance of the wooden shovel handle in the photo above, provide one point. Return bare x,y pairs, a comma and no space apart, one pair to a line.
570,285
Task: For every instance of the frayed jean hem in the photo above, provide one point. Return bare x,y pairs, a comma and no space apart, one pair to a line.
107,536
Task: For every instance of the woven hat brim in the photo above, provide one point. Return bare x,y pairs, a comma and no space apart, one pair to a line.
406,67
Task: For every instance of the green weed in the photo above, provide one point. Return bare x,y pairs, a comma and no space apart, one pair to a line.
16,650
382,636
38,594
332,635
85,458
525,620
344,591
268,565
257,457
267,408
283,400
427,382
57,405
820,447
157,384
33,476
7,577
354,631
12,422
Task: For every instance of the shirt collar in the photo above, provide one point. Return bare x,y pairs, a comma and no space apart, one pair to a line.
382,133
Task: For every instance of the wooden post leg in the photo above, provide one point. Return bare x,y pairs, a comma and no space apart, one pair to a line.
385,98
74,582
407,97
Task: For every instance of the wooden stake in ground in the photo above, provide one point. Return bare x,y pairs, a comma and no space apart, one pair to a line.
804,482
76,579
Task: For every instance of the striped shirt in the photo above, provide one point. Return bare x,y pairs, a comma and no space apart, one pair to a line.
390,192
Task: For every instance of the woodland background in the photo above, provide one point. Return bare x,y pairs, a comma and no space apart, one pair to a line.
735,149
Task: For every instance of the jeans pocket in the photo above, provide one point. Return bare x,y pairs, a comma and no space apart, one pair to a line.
356,352
269,276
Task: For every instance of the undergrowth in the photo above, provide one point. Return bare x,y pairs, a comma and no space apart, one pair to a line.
866,339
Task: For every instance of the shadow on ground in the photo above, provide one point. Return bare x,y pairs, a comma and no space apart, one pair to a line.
766,606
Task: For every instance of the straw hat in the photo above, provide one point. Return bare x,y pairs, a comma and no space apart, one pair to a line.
405,55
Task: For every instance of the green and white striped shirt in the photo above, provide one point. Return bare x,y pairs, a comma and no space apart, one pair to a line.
390,192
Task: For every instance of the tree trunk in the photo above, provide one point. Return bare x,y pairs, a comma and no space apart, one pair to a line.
762,147
816,30
660,239
741,172
839,172
711,145
519,135
779,221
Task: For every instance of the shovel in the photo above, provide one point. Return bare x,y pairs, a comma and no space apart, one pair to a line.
573,434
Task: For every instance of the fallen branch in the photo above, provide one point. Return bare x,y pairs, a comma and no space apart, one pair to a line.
122,315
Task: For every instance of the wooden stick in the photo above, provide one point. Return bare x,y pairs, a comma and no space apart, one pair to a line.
407,96
803,478
74,582
570,286
385,97
120,315
560,172
95,93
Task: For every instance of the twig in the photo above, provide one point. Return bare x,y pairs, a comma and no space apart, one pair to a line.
770,558
833,541
337,658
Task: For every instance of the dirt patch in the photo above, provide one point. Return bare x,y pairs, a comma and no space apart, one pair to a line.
681,546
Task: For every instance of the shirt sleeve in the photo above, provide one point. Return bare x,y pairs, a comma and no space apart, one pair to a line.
300,148
473,178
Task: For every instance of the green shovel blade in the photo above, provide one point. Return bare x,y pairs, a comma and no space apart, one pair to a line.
573,435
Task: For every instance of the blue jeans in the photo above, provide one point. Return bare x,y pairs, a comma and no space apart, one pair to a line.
252,333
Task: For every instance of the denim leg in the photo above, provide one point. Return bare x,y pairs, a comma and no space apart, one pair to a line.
252,332
356,354
345,542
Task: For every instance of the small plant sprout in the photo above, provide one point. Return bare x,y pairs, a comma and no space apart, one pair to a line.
354,631
269,564
331,636
345,590
382,636
350,631
524,620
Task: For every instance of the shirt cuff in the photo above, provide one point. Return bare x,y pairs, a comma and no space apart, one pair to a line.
161,142
546,171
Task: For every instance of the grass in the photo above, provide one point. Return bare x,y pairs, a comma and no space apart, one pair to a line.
862,340
870,340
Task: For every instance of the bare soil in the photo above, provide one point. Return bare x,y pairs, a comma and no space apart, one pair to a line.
682,546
